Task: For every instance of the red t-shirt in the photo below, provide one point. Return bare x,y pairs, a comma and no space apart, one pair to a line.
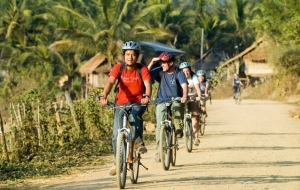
130,84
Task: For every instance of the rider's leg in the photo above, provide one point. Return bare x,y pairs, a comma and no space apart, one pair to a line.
136,121
178,115
194,109
160,108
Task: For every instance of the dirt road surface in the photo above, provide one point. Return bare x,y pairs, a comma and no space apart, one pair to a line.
255,145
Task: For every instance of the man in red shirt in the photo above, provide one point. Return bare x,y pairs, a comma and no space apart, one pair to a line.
132,86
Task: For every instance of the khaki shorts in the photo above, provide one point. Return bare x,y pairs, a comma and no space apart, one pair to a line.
194,108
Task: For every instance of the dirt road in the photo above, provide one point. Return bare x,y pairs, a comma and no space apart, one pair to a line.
255,145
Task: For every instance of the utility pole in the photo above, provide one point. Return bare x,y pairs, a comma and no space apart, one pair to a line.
201,51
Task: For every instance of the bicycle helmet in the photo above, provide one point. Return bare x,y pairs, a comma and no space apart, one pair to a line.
184,65
132,45
167,56
236,75
201,73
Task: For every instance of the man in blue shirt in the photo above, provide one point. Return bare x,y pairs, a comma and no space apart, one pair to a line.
173,83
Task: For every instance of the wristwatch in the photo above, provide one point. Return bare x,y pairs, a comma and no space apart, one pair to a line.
146,95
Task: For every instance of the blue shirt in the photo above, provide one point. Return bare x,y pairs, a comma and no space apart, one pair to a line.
236,82
168,87
203,86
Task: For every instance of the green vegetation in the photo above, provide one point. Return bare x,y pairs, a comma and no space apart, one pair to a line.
40,41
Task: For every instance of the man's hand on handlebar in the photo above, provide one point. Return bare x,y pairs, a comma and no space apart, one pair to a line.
183,99
103,100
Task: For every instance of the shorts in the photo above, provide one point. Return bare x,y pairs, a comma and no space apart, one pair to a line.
194,108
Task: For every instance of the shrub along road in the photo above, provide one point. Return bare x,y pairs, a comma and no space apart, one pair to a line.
255,145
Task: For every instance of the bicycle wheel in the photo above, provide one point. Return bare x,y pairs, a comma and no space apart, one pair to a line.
238,98
121,162
134,167
188,134
164,144
202,125
174,148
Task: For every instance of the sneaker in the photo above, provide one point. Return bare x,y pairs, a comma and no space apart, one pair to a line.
179,133
112,170
142,149
157,158
196,141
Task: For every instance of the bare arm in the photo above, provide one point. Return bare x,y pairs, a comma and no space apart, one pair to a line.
148,91
197,86
153,61
185,92
206,89
110,83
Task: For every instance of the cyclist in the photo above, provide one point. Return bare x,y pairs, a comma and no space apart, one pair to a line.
132,86
204,86
236,83
173,83
194,90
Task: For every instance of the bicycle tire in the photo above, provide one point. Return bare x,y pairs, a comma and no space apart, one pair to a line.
174,148
134,167
202,125
121,162
164,146
188,134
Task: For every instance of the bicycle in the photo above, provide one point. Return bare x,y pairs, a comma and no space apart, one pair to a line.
237,96
126,153
202,121
168,141
188,128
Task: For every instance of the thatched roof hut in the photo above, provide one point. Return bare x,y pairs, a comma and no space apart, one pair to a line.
255,59
210,60
96,70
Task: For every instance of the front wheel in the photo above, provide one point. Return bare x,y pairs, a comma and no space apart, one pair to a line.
121,162
188,134
202,124
174,147
164,146
135,166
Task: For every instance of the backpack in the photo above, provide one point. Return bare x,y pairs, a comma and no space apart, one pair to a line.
139,68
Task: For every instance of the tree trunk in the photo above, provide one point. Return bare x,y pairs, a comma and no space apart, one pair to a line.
70,104
5,152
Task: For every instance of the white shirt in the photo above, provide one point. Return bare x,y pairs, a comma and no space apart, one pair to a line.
192,82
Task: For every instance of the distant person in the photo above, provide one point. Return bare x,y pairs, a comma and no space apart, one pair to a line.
194,92
173,83
134,81
204,87
236,83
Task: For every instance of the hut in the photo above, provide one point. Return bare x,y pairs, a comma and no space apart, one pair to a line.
253,61
210,61
95,71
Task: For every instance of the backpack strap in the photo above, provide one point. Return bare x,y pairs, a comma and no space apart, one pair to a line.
139,67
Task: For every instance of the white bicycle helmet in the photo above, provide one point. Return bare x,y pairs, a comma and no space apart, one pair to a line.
184,65
201,73
132,45
236,75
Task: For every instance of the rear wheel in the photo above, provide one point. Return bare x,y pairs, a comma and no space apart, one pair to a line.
188,134
164,144
135,166
121,162
174,147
